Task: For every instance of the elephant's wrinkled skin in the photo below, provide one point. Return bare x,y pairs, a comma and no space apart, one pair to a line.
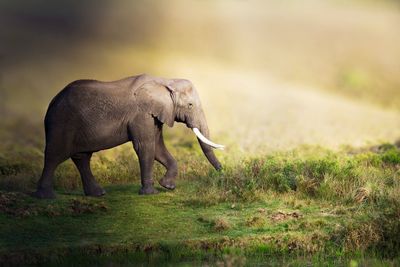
89,115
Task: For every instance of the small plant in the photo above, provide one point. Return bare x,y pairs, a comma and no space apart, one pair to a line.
255,221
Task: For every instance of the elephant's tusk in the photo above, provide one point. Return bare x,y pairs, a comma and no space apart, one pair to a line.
206,141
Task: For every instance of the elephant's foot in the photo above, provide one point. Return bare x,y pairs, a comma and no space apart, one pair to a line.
44,194
148,190
168,183
94,191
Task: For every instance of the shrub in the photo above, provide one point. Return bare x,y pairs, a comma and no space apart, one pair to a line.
359,178
255,221
391,156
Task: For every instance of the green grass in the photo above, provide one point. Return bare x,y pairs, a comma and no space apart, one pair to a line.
164,223
309,201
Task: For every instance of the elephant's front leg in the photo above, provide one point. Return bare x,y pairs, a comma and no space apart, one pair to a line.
146,153
165,158
144,145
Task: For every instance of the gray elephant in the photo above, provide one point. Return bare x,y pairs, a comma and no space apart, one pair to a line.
89,115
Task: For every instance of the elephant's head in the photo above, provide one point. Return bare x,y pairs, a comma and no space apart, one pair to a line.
177,100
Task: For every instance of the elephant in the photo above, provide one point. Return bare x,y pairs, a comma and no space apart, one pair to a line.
90,115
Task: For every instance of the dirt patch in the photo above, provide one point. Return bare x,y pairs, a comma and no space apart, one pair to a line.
20,205
12,203
82,206
282,216
261,210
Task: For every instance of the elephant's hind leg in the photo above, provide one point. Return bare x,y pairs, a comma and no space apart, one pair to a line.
165,158
52,158
90,186
45,184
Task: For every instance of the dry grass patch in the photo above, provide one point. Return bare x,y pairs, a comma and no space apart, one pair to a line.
221,224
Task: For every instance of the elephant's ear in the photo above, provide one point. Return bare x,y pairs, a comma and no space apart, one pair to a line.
157,100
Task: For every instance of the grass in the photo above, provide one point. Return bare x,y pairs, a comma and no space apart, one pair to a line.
309,201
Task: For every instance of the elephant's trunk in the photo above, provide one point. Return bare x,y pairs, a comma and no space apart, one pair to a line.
206,145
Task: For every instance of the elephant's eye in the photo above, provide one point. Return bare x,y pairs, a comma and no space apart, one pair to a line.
190,105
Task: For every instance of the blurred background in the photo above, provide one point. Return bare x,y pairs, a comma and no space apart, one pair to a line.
272,75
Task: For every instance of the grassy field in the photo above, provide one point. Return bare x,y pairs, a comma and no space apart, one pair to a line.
305,205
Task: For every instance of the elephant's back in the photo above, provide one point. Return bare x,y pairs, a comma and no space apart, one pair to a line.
87,101
83,93
86,91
